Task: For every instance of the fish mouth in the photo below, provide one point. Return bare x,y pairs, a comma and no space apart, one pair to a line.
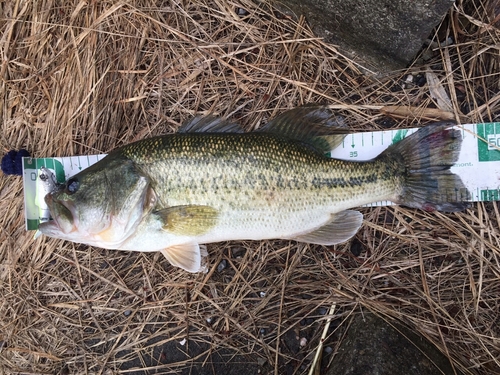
62,217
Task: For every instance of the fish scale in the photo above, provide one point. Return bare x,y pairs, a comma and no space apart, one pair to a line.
208,168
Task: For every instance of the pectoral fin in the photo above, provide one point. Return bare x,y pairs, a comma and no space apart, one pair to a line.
188,220
340,228
187,256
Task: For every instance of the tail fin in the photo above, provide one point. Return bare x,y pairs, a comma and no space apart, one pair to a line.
426,180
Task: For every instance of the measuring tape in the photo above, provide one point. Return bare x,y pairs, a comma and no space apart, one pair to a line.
478,165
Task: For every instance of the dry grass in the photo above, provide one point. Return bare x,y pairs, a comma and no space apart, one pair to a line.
88,76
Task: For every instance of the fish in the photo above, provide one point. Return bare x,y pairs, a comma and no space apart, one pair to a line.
213,182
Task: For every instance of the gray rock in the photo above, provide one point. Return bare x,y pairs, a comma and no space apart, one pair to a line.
372,346
385,34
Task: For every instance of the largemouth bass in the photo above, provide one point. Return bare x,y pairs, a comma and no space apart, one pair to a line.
211,182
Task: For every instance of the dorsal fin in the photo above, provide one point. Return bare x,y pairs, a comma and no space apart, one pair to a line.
209,124
313,124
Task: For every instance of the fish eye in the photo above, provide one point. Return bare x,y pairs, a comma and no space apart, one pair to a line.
72,185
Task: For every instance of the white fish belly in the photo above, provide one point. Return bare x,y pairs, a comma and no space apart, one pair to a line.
261,225
286,218
232,226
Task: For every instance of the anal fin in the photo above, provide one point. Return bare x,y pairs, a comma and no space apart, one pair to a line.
340,228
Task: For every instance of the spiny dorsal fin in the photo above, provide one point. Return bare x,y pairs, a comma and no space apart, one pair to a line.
316,125
209,124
